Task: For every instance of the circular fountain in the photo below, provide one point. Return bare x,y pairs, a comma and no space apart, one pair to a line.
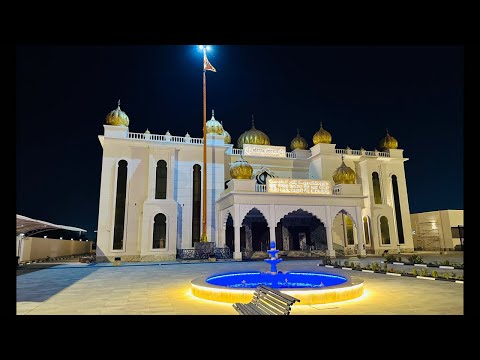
309,287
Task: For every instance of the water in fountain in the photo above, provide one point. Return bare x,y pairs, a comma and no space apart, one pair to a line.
274,260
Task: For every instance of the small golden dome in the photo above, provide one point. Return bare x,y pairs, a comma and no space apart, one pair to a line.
241,169
147,131
322,136
117,117
298,142
344,175
213,126
227,137
388,142
253,136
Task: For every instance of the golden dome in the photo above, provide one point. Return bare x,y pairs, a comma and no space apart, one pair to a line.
388,142
227,137
253,136
298,142
344,175
213,126
241,169
322,136
117,117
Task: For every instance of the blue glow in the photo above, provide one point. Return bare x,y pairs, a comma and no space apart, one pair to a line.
208,47
201,47
280,280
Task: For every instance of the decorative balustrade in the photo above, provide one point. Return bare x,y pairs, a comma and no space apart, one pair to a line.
165,138
233,151
359,152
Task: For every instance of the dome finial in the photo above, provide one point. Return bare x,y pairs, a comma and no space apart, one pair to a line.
321,124
253,121
213,113
387,130
119,103
298,131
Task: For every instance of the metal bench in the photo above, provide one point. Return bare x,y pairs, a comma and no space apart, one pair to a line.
267,301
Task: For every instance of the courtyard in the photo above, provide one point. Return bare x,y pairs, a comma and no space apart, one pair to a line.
163,288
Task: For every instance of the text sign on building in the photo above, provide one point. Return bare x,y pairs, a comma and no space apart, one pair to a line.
299,186
264,150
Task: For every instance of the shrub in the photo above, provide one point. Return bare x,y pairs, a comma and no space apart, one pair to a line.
368,267
446,263
399,259
424,272
434,273
446,276
390,258
336,263
345,263
416,259
415,272
391,270
352,265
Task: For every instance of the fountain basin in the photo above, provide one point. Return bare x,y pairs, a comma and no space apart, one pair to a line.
309,287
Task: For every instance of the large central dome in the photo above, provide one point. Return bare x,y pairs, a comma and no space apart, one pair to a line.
253,136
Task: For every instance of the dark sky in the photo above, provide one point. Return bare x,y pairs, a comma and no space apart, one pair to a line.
63,94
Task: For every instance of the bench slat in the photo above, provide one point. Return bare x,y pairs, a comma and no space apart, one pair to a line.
270,310
275,293
272,299
276,306
266,301
278,293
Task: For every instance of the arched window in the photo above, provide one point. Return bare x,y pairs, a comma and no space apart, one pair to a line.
161,180
120,201
366,229
384,231
197,198
398,212
159,232
377,195
349,229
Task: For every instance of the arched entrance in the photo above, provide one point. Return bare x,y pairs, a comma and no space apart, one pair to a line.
300,231
230,233
254,233
344,234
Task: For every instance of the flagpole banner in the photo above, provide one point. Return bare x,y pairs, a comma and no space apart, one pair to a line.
207,65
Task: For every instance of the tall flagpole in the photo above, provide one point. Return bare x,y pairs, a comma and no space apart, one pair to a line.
203,237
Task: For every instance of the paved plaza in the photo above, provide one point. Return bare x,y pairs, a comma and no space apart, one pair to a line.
164,289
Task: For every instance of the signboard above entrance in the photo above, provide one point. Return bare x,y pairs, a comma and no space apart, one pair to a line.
264,150
299,186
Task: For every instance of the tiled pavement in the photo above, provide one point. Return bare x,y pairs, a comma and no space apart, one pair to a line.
163,288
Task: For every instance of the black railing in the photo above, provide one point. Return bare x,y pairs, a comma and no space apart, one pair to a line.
200,254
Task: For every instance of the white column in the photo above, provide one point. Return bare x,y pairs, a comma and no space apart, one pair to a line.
220,230
328,227
272,236
237,254
360,233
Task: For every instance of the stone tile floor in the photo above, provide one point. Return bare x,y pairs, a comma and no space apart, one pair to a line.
163,289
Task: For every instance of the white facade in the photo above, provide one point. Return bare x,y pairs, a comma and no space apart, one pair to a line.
142,152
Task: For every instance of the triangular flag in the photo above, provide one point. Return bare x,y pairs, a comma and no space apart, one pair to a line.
207,65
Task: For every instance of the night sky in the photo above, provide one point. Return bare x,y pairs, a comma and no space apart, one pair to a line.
63,94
